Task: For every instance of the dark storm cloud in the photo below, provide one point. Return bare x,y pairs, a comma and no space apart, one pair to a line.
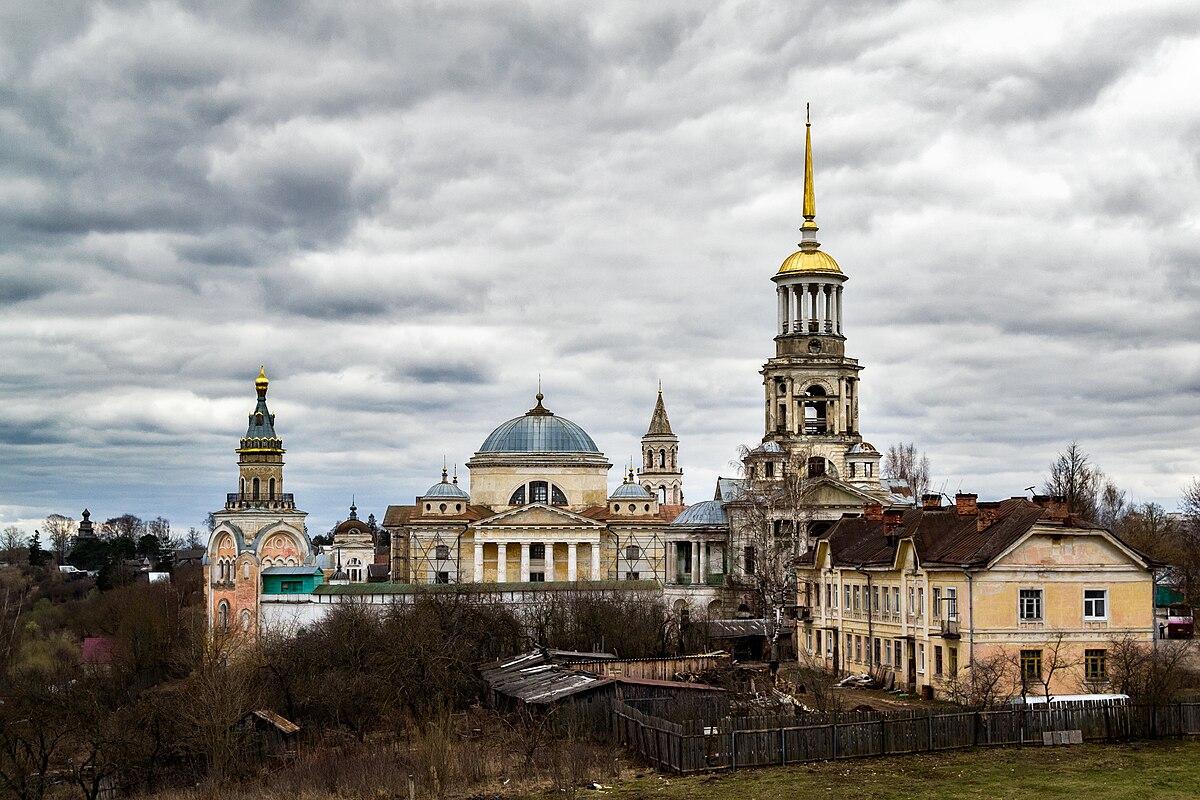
409,212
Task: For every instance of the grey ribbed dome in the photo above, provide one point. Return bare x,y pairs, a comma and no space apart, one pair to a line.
708,512
443,489
633,491
539,431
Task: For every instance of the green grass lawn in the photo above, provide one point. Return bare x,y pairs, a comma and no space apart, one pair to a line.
1145,771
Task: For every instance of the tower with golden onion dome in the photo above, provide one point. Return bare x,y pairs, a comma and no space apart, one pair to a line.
811,386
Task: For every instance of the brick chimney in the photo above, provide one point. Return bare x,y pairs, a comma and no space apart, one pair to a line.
893,519
931,501
1057,510
964,504
987,515
873,512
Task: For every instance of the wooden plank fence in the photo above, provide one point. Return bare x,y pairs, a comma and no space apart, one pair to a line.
732,742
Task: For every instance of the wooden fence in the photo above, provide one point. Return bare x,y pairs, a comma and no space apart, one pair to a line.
732,742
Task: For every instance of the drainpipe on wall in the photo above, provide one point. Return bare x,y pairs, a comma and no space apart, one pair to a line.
966,568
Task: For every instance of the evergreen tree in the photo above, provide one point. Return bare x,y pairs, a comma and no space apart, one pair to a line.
37,556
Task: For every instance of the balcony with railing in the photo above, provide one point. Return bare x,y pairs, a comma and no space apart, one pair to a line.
950,627
280,502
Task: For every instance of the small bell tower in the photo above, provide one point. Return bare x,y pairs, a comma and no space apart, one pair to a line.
260,460
661,474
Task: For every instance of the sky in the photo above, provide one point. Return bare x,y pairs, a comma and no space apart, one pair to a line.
410,211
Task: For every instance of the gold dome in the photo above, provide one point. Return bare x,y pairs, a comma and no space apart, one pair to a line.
260,383
809,261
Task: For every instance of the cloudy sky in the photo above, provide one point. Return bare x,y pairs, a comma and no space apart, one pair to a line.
408,213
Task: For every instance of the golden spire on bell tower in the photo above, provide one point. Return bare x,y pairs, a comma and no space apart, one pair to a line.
810,197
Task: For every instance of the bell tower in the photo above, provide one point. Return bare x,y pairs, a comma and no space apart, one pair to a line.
661,474
811,387
260,460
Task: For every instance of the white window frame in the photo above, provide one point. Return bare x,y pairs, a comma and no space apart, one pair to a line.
1022,600
1090,601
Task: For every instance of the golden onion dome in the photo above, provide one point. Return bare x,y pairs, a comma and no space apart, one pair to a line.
260,383
809,261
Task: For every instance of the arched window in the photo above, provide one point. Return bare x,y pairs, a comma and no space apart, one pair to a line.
223,616
243,488
662,458
245,569
816,467
662,495
255,488
518,497
539,492
245,621
557,497
271,489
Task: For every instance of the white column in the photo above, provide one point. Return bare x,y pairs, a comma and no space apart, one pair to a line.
596,560
783,326
839,309
524,562
695,563
572,562
827,310
802,307
701,560
478,578
550,561
502,562
670,562
793,309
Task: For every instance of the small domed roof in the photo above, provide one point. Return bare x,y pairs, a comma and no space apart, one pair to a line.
631,490
863,447
707,512
447,489
352,525
809,261
539,431
768,447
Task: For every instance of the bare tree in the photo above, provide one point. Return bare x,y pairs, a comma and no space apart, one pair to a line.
11,540
125,526
59,529
905,462
1149,672
770,520
984,682
1111,506
1075,477
1053,659
193,537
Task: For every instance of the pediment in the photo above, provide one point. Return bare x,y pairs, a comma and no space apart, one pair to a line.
831,492
537,515
1042,549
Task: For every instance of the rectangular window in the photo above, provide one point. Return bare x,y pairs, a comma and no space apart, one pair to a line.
830,597
633,576
899,654
633,552
921,658
852,466
887,600
887,655
951,603
819,647
937,660
1031,665
868,469
858,648
1095,604
849,647
808,637
829,646
878,644
1095,667
896,599
875,598
441,577
442,552
770,469
920,601
289,586
952,655
912,604
937,603
537,577
847,604
537,552
1030,605
748,559
856,597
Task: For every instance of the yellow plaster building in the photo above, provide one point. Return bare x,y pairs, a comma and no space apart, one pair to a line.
1017,587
